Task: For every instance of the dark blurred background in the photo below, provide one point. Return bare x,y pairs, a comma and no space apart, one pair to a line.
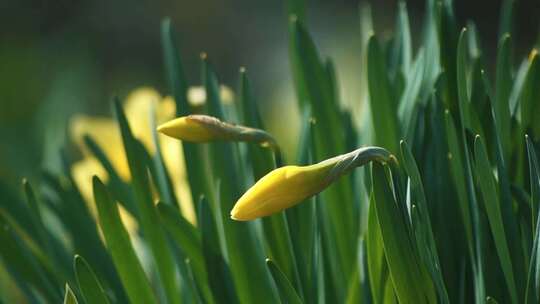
63,57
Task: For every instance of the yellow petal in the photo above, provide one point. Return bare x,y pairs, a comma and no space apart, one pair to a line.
281,189
82,172
287,186
104,131
138,107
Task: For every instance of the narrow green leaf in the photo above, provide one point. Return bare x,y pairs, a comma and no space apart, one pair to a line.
409,280
35,214
69,297
119,189
532,293
382,102
511,223
378,267
193,284
517,87
506,18
300,219
456,168
401,47
119,245
74,213
286,290
315,90
183,233
146,210
219,275
89,285
530,96
162,176
534,176
492,204
318,271
19,261
188,239
34,251
178,85
408,104
463,108
275,227
441,45
244,251
462,84
425,238
174,67
490,300
296,8
503,83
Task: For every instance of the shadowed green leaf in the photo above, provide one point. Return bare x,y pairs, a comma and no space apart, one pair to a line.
286,291
492,204
219,274
409,279
503,84
382,102
424,237
464,122
532,293
89,285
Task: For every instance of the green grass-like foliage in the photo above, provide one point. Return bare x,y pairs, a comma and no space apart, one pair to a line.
454,220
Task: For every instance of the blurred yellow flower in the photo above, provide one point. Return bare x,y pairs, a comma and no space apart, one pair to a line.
105,132
82,171
287,186
197,95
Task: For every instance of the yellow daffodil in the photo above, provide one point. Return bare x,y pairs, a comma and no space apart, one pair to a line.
287,186
104,131
203,128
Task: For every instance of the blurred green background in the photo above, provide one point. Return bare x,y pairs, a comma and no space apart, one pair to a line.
63,57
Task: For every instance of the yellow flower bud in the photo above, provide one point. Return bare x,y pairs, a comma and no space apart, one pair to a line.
188,129
203,128
287,186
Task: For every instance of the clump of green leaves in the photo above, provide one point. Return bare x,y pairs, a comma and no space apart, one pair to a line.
454,221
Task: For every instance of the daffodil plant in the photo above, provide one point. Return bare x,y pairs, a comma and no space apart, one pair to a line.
187,198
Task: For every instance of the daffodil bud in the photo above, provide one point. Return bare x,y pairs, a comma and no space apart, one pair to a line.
287,186
203,128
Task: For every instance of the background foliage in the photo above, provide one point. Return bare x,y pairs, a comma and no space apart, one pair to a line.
455,221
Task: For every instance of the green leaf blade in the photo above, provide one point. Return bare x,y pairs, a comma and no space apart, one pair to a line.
286,290
119,245
89,285
493,209
146,210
